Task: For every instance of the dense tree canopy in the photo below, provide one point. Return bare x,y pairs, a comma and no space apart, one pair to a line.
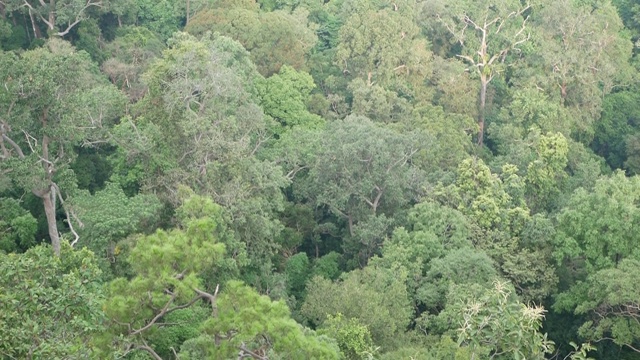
319,179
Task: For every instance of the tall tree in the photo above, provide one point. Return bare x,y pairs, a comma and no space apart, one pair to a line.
580,53
486,34
200,126
56,100
384,47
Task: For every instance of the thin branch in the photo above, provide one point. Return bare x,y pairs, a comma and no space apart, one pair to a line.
165,311
66,211
243,348
150,350
627,345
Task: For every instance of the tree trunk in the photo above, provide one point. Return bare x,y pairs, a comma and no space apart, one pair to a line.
34,26
50,212
483,102
188,3
52,15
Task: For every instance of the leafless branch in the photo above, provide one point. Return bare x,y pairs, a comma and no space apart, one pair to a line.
14,145
212,299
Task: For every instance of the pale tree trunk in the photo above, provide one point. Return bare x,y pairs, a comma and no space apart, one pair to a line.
52,15
48,199
34,26
188,5
484,82
48,196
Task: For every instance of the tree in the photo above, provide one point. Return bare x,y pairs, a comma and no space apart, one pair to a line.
381,46
501,327
17,227
168,267
254,326
49,306
200,126
375,296
56,100
582,54
611,304
354,177
273,38
361,172
595,228
354,339
597,248
131,53
59,17
284,95
503,226
109,216
486,34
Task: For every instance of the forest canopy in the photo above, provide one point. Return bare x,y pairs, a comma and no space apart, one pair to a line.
319,179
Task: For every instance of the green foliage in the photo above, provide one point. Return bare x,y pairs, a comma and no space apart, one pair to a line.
17,227
546,172
354,339
89,36
616,129
49,306
109,216
597,226
166,267
283,96
375,296
297,269
573,83
327,266
359,171
497,325
176,142
255,322
273,38
384,47
499,222
185,325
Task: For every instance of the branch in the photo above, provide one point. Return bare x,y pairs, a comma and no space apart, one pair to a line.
243,348
165,310
66,212
31,9
79,17
469,59
211,298
627,345
14,145
150,350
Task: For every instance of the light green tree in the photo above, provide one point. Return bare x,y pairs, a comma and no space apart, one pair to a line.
50,306
167,268
375,296
500,327
273,39
383,46
581,53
